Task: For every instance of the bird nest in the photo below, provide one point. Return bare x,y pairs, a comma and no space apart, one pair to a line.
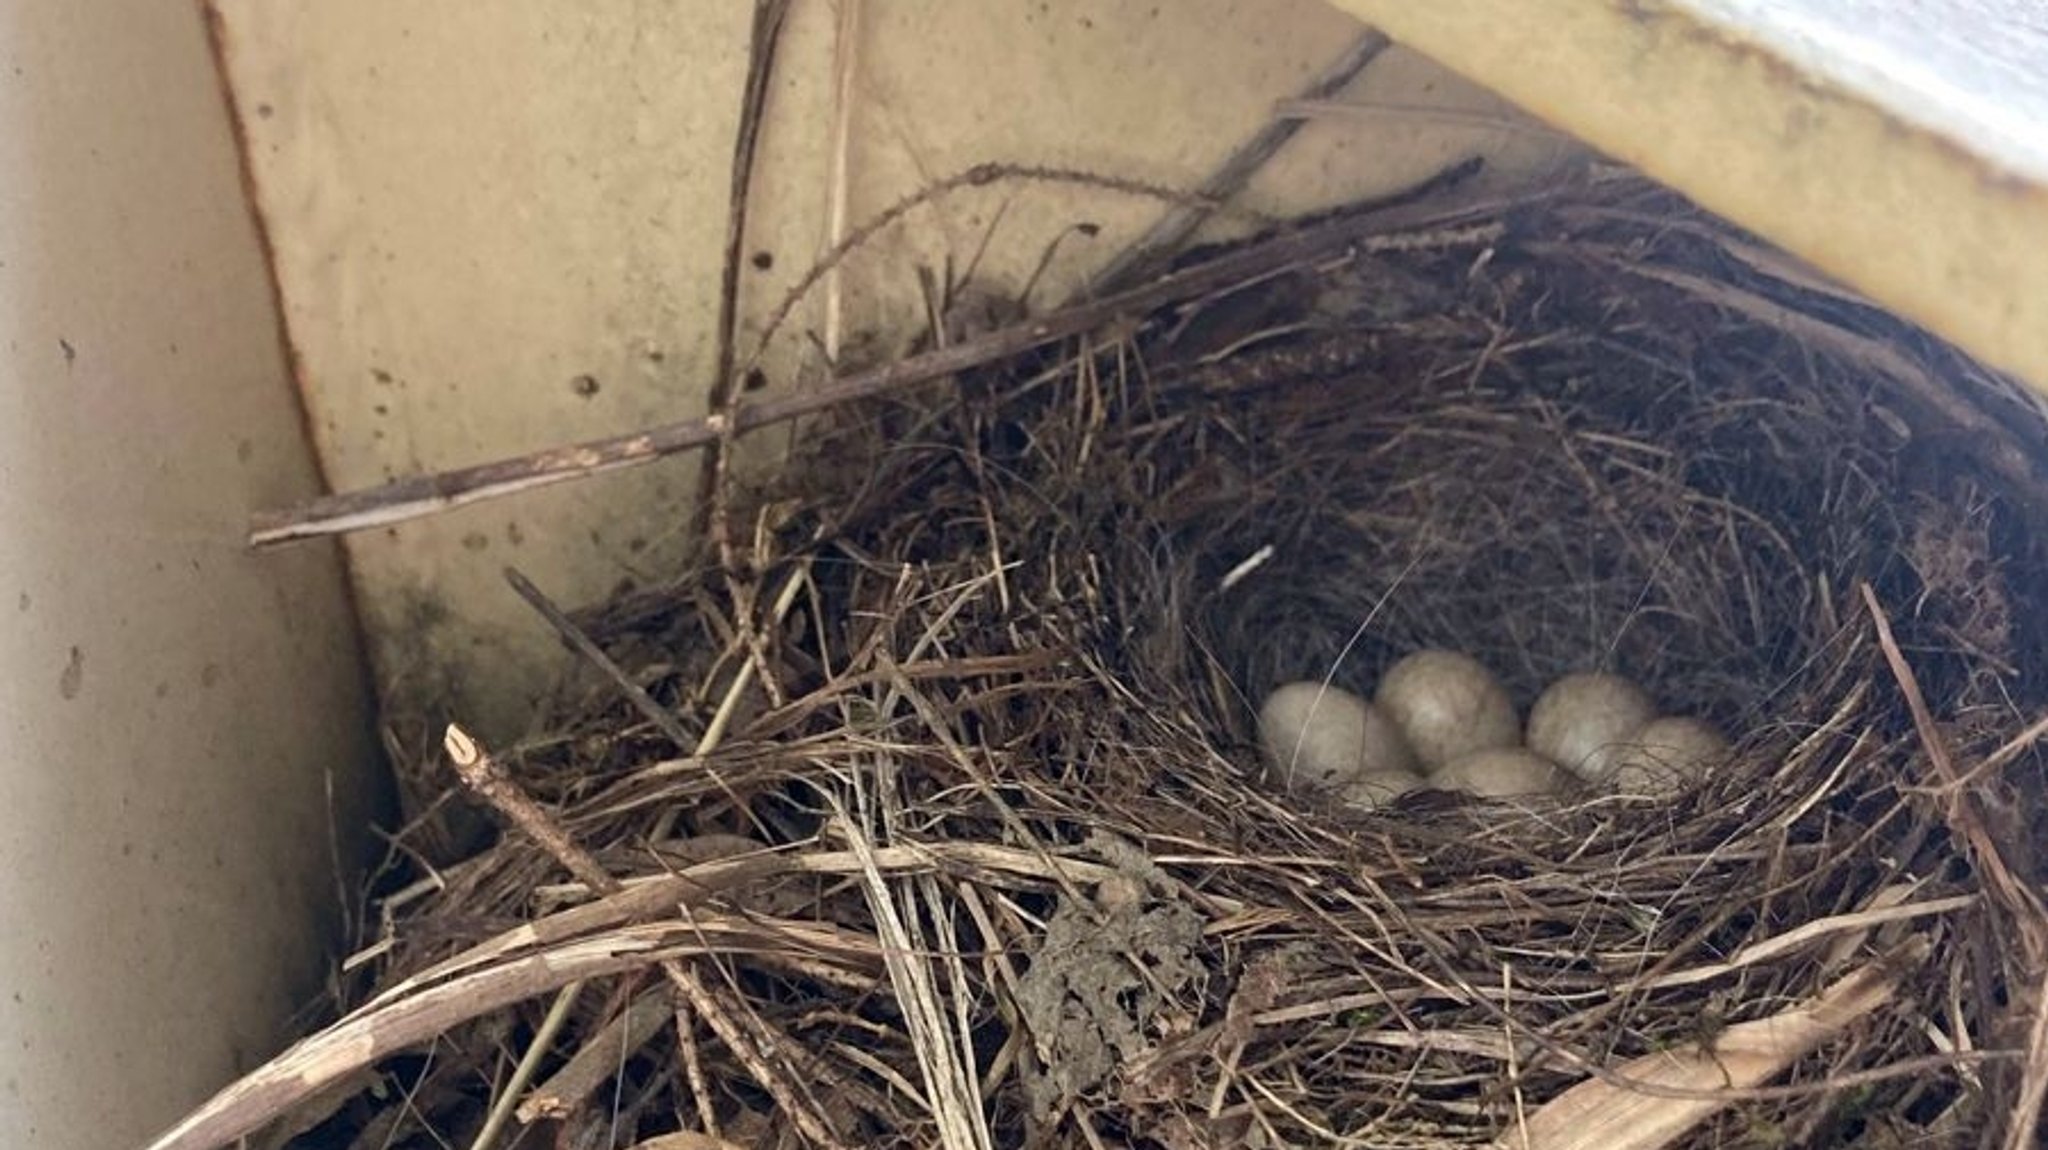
968,840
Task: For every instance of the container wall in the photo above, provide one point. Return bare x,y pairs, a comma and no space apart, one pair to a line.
1896,147
174,711
499,231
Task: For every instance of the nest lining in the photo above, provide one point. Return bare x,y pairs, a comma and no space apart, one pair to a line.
1026,881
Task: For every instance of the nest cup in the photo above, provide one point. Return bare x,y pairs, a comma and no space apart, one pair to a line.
976,699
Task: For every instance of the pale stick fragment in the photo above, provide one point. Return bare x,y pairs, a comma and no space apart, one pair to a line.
1608,1113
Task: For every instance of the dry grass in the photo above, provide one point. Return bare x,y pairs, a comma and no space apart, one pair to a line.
981,853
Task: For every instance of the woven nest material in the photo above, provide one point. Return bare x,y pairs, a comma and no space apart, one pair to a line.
983,851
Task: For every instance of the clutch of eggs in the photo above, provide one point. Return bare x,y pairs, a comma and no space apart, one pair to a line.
1435,711
1440,719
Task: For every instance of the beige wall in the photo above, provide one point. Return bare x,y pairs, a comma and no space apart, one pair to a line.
171,707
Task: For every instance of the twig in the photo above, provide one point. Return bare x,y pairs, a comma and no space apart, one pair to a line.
693,1068
1966,818
487,777
663,719
1310,108
597,1059
753,1049
1514,1067
1962,813
714,479
2033,1095
481,772
1150,251
507,1101
845,67
768,19
1406,225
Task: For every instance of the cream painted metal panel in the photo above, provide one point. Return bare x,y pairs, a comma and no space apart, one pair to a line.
1901,147
499,227
173,709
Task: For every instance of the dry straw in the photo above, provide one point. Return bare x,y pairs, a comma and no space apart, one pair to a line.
968,844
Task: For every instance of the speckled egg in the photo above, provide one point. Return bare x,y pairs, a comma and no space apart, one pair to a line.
1502,773
1447,705
1319,735
1581,720
1375,789
1667,756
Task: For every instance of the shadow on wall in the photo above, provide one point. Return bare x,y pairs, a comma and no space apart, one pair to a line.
175,710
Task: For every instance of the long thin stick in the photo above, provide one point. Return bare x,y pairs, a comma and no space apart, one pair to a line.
529,1065
481,772
693,1068
845,66
767,31
1964,815
663,719
597,1060
1406,225
1144,256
